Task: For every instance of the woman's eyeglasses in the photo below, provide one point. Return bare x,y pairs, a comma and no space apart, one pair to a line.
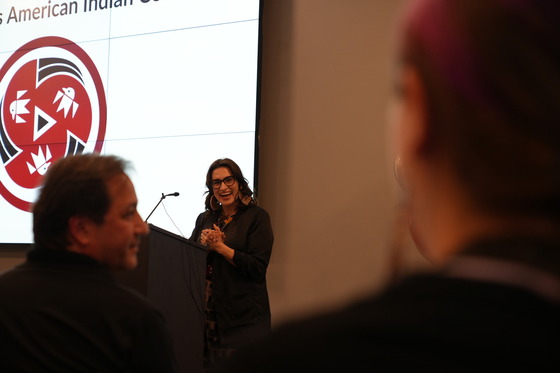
216,183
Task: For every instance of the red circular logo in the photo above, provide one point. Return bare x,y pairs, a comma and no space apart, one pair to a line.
52,104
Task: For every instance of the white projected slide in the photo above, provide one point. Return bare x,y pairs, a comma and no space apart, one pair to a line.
170,85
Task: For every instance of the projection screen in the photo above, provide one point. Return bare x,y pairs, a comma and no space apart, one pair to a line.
170,85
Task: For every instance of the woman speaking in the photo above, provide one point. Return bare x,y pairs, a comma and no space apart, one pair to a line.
238,235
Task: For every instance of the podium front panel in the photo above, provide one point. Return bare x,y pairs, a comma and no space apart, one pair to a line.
171,274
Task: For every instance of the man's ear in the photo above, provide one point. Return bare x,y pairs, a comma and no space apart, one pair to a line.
79,230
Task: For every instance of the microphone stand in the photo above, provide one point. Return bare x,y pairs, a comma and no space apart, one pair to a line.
161,199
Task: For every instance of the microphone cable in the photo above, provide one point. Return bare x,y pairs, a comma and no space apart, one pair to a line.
172,221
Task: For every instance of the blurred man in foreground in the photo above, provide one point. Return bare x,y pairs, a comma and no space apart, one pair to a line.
62,310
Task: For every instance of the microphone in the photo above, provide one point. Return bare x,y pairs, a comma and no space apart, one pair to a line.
161,199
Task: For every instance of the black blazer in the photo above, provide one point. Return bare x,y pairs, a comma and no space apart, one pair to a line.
240,292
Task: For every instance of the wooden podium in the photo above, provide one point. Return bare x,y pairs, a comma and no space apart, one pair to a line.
171,273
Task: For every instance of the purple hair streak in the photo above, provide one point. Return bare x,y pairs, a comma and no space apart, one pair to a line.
433,28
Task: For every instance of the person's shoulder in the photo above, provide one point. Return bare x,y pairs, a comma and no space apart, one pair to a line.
123,297
255,210
9,276
131,295
254,214
204,216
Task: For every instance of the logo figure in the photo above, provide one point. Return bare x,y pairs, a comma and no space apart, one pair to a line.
52,104
66,97
40,163
17,107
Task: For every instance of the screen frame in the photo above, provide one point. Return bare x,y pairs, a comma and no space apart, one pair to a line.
25,246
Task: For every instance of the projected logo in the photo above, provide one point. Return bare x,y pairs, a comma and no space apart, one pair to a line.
52,104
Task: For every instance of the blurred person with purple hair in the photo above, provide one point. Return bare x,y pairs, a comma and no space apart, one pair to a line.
477,131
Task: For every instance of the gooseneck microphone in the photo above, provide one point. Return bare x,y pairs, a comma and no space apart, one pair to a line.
161,199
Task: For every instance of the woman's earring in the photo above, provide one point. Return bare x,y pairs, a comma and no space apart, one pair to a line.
214,205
